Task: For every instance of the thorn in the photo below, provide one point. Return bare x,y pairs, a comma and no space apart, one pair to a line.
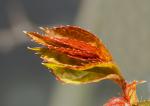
142,81
29,48
42,28
25,32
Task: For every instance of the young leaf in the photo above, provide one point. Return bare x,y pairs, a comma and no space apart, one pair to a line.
75,55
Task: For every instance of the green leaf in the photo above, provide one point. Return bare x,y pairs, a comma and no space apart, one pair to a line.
87,75
70,70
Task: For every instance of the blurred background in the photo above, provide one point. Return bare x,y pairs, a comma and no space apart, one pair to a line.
123,26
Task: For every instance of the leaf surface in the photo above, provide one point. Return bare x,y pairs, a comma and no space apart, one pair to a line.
75,55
